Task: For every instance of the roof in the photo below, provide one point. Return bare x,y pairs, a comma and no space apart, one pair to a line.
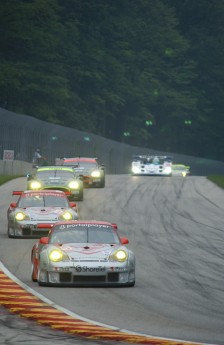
52,168
44,191
98,222
79,159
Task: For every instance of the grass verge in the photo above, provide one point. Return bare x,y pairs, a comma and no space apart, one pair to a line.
217,179
6,178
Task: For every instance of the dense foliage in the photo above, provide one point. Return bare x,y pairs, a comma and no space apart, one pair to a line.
149,73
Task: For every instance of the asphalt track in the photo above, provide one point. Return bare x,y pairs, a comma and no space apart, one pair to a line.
175,227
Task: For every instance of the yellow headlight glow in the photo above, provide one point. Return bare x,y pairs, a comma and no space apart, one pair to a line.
20,216
67,216
95,173
120,255
136,170
35,185
73,185
56,255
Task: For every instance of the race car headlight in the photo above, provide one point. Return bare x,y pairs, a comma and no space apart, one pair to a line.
35,185
73,185
168,170
184,173
120,255
95,173
21,216
66,216
57,255
135,170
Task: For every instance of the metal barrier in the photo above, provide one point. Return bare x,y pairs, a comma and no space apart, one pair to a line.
22,134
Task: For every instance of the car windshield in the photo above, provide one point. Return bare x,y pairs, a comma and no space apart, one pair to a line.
54,173
43,201
84,234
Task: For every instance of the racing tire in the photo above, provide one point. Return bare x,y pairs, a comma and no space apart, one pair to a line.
10,235
102,184
130,284
81,196
33,276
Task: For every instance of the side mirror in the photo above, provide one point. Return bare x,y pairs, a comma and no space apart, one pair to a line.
124,240
13,204
44,240
72,204
29,177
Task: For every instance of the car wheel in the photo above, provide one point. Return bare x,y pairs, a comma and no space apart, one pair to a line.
33,274
102,183
81,195
131,284
11,233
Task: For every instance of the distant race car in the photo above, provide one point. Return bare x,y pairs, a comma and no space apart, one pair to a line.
35,212
83,253
180,170
151,165
92,172
59,178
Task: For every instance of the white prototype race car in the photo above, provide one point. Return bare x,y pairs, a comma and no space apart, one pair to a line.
151,165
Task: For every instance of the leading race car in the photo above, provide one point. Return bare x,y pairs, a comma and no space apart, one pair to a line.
92,172
151,165
83,253
35,212
59,178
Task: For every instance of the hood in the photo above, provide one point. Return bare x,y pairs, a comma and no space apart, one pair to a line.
83,170
43,213
55,181
89,251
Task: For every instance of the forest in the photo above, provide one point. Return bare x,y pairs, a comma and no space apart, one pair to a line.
148,73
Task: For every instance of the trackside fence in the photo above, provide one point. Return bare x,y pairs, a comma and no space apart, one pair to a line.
22,134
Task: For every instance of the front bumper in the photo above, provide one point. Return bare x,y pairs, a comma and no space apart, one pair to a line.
88,275
30,230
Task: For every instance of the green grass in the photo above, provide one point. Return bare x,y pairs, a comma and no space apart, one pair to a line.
6,178
217,179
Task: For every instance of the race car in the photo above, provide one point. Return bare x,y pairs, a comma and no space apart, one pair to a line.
83,253
35,212
92,172
180,170
59,178
151,165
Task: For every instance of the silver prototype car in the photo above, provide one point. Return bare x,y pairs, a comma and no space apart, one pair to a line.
35,212
83,253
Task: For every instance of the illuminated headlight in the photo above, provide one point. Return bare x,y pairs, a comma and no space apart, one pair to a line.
120,255
57,255
21,216
168,170
95,173
66,216
184,173
35,185
135,170
73,185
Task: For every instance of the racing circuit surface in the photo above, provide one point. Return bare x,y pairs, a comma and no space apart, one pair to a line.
175,227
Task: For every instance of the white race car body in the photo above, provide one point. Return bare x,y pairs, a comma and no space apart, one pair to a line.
152,165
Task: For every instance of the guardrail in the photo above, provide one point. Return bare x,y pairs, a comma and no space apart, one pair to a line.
22,134
14,167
